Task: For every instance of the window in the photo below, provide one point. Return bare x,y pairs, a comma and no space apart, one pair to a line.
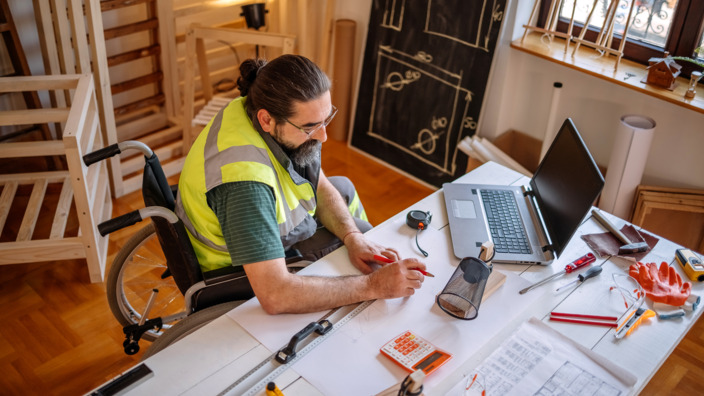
656,26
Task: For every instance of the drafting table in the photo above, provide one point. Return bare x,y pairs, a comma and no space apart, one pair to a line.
213,357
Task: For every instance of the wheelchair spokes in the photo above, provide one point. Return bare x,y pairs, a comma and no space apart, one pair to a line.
136,272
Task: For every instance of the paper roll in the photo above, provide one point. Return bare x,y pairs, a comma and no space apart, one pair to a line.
551,129
626,165
343,70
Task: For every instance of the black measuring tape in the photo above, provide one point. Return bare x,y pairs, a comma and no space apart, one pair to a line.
419,220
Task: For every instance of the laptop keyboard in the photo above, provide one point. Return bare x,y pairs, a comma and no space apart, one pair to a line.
507,231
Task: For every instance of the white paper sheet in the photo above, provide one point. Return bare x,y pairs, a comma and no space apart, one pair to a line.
539,360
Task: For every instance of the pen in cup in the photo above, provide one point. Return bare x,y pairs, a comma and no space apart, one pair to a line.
387,260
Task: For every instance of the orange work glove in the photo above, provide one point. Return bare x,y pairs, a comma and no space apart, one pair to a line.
662,284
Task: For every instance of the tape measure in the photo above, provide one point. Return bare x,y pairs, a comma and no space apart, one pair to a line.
269,369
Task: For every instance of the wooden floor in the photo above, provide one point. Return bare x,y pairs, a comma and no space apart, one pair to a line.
58,337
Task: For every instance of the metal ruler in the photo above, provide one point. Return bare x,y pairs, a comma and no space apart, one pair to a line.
266,371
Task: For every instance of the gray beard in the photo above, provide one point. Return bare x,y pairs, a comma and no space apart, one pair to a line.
305,154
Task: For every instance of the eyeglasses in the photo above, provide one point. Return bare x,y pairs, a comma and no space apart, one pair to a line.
630,290
311,129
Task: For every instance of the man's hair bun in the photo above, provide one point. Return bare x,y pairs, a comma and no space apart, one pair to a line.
248,73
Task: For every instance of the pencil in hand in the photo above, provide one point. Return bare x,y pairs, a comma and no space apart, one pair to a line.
387,260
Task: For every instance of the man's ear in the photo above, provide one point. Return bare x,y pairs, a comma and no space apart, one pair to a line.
266,121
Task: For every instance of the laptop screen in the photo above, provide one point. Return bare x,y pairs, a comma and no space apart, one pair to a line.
565,185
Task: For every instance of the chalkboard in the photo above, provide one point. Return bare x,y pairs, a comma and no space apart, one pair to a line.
424,75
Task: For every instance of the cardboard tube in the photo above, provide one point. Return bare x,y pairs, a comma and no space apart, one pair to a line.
551,129
343,70
626,165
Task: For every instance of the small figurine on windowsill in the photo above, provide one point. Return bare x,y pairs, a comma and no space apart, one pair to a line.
663,72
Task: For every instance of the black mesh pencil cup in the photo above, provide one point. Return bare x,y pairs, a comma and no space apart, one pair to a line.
463,293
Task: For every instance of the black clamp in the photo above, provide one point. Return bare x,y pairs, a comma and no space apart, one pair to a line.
289,351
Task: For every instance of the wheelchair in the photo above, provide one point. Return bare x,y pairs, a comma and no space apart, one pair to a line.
155,287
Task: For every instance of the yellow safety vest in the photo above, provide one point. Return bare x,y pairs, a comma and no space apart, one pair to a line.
229,149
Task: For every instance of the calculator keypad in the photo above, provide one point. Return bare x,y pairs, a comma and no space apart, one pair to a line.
408,349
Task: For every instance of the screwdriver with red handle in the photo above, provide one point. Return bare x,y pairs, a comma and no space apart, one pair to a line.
579,263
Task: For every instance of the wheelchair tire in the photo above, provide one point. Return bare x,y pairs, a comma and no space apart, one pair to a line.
188,325
135,272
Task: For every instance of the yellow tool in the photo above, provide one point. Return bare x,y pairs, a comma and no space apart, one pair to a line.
647,314
273,390
691,264
633,320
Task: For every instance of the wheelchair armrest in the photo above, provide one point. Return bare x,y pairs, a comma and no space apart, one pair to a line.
221,285
223,275
293,256
116,148
229,273
134,217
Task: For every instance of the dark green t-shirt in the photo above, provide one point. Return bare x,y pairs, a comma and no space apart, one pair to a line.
247,215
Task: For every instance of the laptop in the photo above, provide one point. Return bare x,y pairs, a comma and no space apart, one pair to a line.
542,216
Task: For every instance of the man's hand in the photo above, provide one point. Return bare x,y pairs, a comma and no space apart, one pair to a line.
362,251
398,279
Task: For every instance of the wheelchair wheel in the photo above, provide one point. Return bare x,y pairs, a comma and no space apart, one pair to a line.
188,325
135,272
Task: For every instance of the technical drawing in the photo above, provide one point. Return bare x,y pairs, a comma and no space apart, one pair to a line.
393,14
472,14
396,81
424,77
571,379
437,135
426,137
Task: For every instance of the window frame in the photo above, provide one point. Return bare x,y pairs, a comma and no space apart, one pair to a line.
685,31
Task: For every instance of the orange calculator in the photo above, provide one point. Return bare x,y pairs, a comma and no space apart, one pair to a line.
414,353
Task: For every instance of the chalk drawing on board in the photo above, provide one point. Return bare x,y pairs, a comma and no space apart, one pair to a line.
393,14
437,17
431,138
424,64
396,81
426,138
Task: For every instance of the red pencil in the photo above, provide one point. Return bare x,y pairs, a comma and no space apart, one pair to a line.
589,322
609,321
387,260
573,315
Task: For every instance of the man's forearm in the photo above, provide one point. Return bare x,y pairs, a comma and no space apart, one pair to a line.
316,293
279,291
332,209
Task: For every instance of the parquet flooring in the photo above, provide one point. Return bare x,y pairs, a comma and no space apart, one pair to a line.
58,337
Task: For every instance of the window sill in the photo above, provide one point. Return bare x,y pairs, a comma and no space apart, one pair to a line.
629,74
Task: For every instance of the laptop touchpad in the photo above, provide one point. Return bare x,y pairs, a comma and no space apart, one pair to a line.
463,209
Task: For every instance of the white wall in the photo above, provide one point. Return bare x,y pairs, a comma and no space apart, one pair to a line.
520,89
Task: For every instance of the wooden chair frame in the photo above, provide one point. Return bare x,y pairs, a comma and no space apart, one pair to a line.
195,52
88,187
72,41
671,201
